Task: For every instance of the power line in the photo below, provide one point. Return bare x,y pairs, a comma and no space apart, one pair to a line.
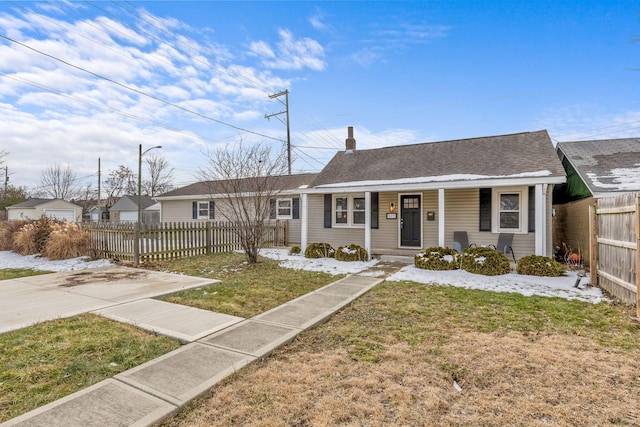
138,91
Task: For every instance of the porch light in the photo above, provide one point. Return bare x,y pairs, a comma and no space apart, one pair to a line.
392,207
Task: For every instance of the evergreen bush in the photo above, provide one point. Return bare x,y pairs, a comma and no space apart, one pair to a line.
486,261
319,250
352,253
437,258
536,265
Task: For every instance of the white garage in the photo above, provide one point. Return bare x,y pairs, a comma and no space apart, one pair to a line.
52,208
60,214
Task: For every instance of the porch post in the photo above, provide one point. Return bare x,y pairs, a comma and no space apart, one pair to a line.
541,226
367,222
304,222
441,217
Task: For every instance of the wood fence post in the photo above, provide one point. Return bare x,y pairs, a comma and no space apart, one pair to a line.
637,256
593,244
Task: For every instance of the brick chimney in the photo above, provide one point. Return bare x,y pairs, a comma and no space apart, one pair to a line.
350,142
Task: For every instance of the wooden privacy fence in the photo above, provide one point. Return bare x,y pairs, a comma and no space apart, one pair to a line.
175,239
615,230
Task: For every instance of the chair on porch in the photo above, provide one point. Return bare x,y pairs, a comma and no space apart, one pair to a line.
461,241
505,240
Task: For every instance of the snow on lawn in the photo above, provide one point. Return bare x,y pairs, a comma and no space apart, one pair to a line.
10,259
526,285
562,287
326,265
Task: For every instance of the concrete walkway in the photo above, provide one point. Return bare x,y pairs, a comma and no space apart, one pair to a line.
151,392
33,299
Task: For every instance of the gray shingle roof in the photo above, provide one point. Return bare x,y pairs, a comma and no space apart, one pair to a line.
31,203
493,156
205,188
605,165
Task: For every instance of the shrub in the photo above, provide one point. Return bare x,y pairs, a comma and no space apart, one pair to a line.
295,250
536,265
7,233
319,250
66,240
352,253
485,261
24,241
437,258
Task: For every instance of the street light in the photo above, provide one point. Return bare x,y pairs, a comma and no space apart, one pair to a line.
136,246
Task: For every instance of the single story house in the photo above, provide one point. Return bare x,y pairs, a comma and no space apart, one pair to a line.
51,208
126,209
400,199
206,201
595,169
98,213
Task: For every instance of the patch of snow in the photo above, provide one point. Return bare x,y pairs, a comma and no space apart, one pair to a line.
326,265
621,179
562,287
437,178
9,259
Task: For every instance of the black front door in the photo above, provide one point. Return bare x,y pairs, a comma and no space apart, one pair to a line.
410,227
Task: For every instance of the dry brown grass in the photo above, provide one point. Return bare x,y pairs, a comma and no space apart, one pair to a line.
66,240
24,241
391,359
505,380
7,231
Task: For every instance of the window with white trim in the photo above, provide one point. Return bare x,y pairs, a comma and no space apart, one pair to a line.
203,210
510,210
349,211
284,208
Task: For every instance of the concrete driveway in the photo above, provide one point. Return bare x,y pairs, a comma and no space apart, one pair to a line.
38,298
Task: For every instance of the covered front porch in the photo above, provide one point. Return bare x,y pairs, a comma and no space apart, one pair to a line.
401,221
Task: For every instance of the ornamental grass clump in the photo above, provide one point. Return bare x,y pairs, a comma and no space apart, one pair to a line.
319,250
437,258
536,265
295,250
352,253
66,240
8,229
486,261
33,236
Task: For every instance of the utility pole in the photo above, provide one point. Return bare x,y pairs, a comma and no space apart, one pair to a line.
6,180
286,111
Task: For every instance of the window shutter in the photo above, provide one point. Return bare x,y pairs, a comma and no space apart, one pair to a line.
295,208
194,210
374,210
212,209
485,209
532,209
272,208
328,202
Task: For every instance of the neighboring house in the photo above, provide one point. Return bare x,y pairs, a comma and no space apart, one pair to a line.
205,200
52,208
98,213
595,169
400,199
126,209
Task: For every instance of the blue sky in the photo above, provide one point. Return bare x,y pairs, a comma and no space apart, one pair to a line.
82,80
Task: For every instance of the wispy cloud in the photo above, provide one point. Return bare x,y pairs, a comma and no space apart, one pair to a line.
44,102
588,122
291,53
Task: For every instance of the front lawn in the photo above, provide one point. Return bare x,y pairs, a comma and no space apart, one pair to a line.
408,354
244,290
50,360
16,273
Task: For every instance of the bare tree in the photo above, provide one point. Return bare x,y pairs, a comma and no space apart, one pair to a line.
160,176
247,177
58,182
120,181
